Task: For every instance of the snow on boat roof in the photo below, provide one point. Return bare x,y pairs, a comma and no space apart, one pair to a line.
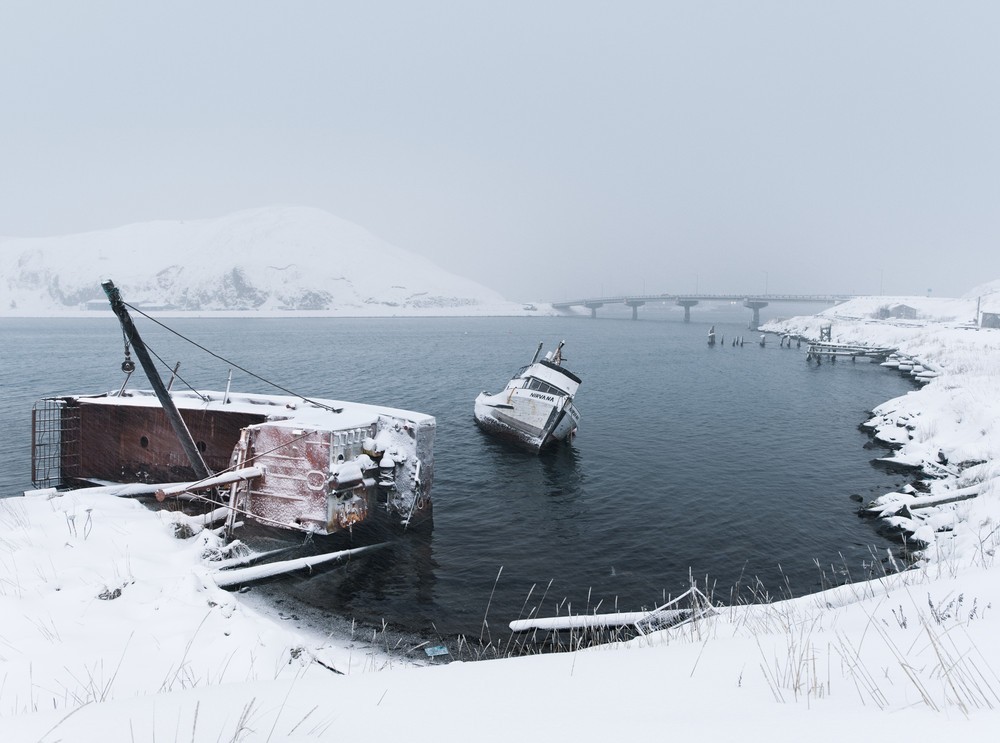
560,369
297,412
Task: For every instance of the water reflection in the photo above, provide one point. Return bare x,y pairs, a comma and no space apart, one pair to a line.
562,471
397,580
555,471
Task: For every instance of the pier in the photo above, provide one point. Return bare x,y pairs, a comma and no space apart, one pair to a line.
753,302
832,350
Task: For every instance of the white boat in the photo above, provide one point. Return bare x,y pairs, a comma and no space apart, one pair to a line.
536,407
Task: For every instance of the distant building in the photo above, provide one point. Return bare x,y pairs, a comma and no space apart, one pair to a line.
989,320
898,311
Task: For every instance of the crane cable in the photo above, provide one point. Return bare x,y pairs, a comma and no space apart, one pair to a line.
231,363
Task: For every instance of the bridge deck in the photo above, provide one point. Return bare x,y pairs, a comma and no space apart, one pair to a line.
630,298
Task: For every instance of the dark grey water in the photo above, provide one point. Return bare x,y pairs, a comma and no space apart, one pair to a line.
726,462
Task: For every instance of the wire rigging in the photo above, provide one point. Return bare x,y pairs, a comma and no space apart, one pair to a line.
231,363
175,373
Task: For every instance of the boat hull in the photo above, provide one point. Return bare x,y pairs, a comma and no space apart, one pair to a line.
529,419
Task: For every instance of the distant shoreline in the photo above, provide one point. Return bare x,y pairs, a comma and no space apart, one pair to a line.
541,310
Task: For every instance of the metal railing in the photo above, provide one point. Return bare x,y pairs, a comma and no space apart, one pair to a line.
55,443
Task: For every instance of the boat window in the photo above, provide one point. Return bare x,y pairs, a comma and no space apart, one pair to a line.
144,442
201,446
538,384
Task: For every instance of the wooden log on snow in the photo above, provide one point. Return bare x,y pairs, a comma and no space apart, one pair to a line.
616,619
238,576
590,621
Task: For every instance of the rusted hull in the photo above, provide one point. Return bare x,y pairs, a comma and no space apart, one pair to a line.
138,445
302,486
340,468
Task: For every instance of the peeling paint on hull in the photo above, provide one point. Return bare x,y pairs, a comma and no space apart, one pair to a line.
322,466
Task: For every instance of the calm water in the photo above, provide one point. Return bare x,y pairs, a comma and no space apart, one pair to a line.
727,462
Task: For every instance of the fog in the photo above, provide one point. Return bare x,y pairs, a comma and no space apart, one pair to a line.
549,150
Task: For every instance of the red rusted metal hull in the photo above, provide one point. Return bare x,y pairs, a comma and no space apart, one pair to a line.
138,445
324,467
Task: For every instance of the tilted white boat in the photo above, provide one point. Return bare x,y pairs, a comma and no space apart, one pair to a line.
536,407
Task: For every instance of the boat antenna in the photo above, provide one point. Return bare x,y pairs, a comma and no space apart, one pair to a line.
537,351
132,337
557,356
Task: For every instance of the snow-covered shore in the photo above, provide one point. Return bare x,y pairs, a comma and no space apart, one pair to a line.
491,309
949,430
111,628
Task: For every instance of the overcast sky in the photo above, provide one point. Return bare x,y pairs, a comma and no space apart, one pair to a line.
546,149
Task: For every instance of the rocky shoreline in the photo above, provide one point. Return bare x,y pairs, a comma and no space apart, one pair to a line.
944,433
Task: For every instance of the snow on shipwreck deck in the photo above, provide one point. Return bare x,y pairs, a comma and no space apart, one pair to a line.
286,410
320,465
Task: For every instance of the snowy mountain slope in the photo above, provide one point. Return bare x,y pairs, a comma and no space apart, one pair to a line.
266,260
989,289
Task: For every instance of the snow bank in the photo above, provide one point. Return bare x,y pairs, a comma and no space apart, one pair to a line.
105,600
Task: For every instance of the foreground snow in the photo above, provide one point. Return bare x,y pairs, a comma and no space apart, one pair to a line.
111,628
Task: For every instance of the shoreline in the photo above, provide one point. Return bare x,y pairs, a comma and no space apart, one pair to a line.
510,309
949,360
917,647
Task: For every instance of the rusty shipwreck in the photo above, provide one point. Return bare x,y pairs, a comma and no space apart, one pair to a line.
312,465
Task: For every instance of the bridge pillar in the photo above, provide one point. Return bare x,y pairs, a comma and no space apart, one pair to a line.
756,305
593,308
687,304
635,304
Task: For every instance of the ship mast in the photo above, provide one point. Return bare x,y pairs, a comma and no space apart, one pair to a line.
201,470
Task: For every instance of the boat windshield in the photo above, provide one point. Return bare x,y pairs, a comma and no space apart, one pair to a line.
538,384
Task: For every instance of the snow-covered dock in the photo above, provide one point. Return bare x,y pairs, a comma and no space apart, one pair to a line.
819,349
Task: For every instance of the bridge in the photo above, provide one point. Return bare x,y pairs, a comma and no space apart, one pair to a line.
753,302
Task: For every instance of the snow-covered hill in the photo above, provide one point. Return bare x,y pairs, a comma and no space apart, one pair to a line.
266,260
